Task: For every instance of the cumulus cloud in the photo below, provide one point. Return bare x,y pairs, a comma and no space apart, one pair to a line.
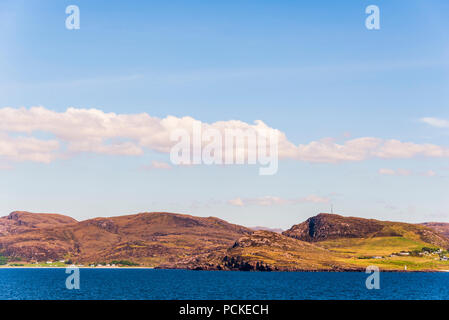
397,172
160,165
236,202
436,122
95,131
272,201
405,172
430,173
27,149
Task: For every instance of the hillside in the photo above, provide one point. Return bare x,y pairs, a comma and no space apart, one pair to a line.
22,221
147,238
363,242
440,227
168,240
265,250
325,227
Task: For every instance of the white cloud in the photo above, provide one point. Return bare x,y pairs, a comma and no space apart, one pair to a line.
314,199
94,131
405,172
27,149
160,165
236,202
430,173
271,201
397,172
389,172
436,122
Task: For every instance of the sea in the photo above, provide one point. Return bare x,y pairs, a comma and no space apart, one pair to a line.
156,284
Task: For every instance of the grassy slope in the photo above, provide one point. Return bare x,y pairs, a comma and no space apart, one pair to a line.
351,251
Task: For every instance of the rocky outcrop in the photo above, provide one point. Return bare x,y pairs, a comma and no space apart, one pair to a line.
331,226
324,227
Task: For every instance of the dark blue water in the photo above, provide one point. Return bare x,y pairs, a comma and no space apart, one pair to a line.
182,284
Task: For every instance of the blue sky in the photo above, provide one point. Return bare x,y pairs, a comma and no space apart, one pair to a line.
311,70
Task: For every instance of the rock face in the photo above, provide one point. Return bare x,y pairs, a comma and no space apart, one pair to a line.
331,226
325,226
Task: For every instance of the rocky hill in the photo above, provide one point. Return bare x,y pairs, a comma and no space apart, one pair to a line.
22,221
440,227
267,251
168,240
324,227
149,238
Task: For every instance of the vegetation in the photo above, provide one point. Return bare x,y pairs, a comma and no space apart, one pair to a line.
124,263
325,242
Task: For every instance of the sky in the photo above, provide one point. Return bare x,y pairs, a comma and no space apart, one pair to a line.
363,114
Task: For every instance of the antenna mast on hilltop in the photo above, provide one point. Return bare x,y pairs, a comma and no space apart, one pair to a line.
332,208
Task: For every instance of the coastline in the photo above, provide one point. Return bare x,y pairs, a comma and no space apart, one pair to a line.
83,267
286,271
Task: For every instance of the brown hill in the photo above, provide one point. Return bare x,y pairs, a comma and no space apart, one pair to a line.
168,240
325,227
268,251
156,238
22,221
440,227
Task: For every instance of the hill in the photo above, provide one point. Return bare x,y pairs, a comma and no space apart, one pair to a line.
440,227
147,238
363,242
325,227
169,240
22,221
270,251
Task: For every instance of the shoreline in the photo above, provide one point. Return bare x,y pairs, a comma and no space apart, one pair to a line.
286,271
40,267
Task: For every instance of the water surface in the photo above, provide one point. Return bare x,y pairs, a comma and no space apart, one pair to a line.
182,284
